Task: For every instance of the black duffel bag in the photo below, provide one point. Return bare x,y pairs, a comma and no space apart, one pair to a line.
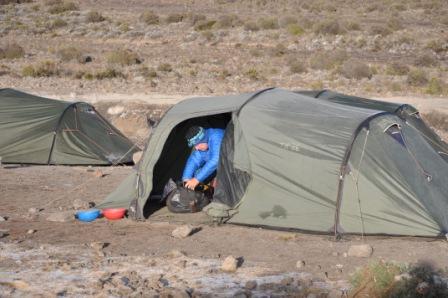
184,200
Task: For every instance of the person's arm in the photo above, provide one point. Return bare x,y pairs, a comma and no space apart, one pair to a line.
212,164
193,163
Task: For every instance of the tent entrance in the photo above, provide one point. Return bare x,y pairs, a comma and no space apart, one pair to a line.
174,156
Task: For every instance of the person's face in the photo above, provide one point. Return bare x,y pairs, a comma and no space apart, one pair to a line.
201,147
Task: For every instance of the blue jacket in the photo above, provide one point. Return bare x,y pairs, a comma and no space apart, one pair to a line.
201,164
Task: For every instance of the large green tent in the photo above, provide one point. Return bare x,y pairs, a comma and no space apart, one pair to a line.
407,112
290,161
37,130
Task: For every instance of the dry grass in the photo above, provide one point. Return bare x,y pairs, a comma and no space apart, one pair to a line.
297,66
417,78
69,54
94,17
57,7
174,18
437,120
204,25
355,69
45,68
397,69
426,60
329,27
327,60
165,67
122,57
150,18
12,51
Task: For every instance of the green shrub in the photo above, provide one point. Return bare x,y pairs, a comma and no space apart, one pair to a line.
204,25
94,17
297,66
426,60
353,69
295,30
69,54
150,18
417,77
253,74
61,7
12,51
43,69
174,18
251,26
165,67
122,57
329,27
436,87
58,23
108,73
397,69
268,23
327,60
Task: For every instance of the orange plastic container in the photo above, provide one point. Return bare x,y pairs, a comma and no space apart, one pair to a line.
114,213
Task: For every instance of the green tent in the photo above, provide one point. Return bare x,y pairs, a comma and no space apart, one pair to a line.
291,161
37,130
407,112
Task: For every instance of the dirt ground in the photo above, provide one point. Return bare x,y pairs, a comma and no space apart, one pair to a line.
64,254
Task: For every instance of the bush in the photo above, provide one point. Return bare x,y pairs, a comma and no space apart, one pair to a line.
94,17
297,66
165,67
287,21
61,7
43,69
436,87
251,26
228,21
174,18
327,60
397,69
204,25
108,73
268,23
437,46
58,23
438,120
353,69
122,57
12,51
148,72
417,77
196,18
150,18
426,60
253,74
295,30
329,27
380,30
353,26
279,50
69,54
394,24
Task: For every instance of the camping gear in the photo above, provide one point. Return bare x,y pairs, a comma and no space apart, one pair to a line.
288,160
114,213
88,215
37,130
184,200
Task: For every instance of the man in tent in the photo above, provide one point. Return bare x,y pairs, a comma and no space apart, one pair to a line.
202,164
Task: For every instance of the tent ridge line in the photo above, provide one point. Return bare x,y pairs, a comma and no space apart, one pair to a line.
253,96
56,128
342,171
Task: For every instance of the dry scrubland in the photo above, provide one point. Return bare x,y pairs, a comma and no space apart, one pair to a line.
380,47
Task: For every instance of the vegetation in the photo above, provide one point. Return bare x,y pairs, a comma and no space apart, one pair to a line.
122,57
174,18
45,68
297,66
397,69
354,69
326,60
204,25
417,77
165,67
12,51
57,7
329,27
69,54
295,29
94,17
150,18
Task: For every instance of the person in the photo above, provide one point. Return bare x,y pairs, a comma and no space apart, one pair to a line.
203,161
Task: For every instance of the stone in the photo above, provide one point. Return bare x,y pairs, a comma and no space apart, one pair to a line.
176,254
300,264
251,285
287,281
137,156
34,210
422,288
360,251
2,218
98,173
230,264
80,204
63,216
85,59
183,231
402,276
3,234
30,232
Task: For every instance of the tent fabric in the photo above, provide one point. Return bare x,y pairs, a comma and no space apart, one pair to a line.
407,112
37,130
306,164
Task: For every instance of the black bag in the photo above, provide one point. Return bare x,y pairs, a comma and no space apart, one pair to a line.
183,200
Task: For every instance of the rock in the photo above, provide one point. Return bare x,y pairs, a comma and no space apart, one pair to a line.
422,288
163,282
63,216
402,276
139,79
287,281
300,264
2,218
339,266
80,204
85,59
230,264
3,234
251,285
137,156
345,255
176,254
17,284
98,173
30,232
183,231
360,251
34,210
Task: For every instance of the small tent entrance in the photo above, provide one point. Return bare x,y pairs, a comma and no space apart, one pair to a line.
175,154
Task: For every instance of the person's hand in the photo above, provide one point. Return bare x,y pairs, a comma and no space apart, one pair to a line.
192,183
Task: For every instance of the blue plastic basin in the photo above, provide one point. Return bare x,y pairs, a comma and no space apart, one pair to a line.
88,215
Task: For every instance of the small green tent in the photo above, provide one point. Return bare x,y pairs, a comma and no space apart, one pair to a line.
406,112
290,161
37,130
